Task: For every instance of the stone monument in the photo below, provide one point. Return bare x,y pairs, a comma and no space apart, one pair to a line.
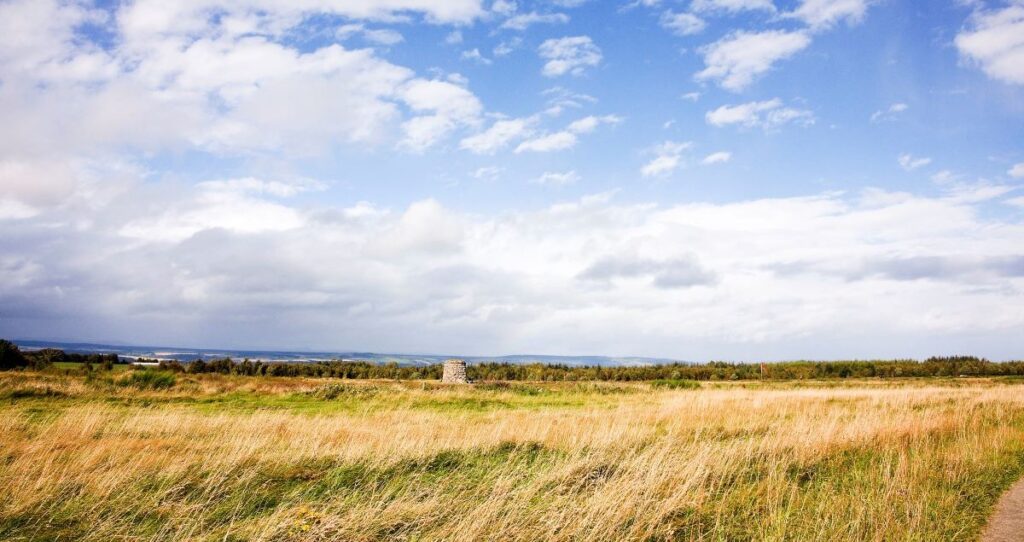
454,372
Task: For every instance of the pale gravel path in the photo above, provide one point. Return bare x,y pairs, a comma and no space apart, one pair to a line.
1007,523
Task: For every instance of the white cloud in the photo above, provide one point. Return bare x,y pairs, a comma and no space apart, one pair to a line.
382,36
504,7
1017,171
486,173
233,206
454,37
447,105
910,162
977,191
523,21
588,124
667,158
944,177
642,3
553,178
736,60
557,141
826,13
582,275
719,157
995,41
499,135
680,272
892,113
559,99
691,96
475,56
506,47
227,85
569,55
682,24
252,185
566,138
768,114
158,18
732,6
15,210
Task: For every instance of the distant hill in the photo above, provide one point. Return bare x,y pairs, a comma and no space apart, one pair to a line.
192,354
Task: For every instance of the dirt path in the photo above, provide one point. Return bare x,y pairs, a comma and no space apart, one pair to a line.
1007,523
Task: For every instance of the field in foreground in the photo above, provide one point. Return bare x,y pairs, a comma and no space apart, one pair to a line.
233,458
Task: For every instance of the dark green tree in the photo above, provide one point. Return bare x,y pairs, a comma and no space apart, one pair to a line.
10,356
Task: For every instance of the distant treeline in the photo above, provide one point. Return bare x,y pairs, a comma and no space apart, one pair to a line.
12,357
936,366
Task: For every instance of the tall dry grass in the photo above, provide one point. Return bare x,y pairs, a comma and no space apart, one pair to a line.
911,462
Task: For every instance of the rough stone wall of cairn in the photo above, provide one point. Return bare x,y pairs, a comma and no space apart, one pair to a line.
455,372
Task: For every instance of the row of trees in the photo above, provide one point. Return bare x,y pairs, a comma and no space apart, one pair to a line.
11,357
945,366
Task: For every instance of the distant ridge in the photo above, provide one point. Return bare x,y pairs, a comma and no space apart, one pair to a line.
192,354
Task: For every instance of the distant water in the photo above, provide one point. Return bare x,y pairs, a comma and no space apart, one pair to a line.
192,354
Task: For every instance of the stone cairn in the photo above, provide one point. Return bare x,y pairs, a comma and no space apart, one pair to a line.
454,372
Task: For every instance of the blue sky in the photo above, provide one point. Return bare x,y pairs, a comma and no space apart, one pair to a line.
731,179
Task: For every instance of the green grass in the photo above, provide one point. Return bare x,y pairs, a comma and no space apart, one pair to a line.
74,366
152,456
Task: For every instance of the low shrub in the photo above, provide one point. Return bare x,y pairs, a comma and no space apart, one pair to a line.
336,391
149,380
675,384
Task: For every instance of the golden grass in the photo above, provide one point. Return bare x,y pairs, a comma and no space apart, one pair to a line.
268,459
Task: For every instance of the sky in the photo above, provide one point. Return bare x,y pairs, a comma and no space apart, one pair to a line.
690,179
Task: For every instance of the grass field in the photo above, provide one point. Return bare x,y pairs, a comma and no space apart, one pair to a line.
72,366
158,457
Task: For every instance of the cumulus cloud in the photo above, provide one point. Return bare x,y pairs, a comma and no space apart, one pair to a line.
568,137
994,40
504,7
569,55
768,114
682,24
232,259
820,14
499,135
667,158
441,107
475,56
230,85
739,58
1017,171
